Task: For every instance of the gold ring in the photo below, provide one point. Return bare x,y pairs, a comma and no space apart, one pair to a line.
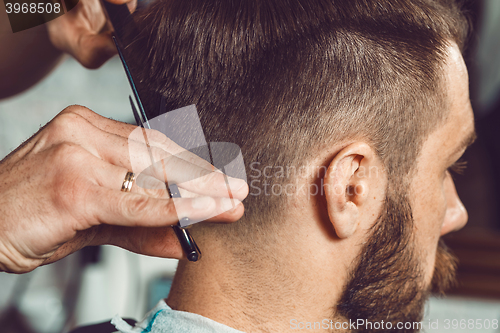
128,182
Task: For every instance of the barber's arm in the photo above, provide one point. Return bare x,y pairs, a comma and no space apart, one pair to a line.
61,191
26,57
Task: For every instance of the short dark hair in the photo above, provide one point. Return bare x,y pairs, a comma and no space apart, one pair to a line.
285,78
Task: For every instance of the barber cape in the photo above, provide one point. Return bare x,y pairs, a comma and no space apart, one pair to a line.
163,319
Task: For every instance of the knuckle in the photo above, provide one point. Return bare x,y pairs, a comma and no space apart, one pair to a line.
156,193
24,265
159,154
170,209
134,207
207,179
151,186
68,185
193,177
18,264
76,109
157,136
64,126
66,152
201,177
166,143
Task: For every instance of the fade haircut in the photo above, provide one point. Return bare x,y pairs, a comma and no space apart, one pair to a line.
285,79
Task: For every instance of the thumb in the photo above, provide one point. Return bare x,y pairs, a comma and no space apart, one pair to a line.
94,50
154,241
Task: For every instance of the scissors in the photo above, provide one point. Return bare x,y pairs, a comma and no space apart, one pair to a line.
119,15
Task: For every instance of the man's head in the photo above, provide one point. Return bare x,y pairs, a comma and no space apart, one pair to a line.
357,102
402,251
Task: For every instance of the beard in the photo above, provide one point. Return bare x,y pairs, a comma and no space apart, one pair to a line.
388,282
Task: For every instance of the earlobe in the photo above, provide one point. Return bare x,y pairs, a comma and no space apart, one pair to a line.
346,187
346,222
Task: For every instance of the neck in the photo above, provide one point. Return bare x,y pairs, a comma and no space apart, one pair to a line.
259,292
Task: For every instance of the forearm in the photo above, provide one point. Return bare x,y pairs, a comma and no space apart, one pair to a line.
26,57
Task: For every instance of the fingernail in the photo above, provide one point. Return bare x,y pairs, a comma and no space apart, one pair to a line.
228,204
203,203
236,184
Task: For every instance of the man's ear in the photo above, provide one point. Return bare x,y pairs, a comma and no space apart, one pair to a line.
354,187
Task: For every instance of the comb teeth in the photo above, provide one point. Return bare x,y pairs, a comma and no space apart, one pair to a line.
142,114
188,244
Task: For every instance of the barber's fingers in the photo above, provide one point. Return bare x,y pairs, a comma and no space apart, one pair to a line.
90,49
118,2
114,207
111,176
144,239
174,170
103,123
93,50
190,171
81,33
136,157
112,126
157,241
153,241
134,133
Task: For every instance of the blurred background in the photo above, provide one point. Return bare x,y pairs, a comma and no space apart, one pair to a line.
97,283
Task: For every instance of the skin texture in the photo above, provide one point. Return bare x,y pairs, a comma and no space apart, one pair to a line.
60,191
436,205
310,263
28,56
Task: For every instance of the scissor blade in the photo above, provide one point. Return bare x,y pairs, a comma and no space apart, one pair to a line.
137,117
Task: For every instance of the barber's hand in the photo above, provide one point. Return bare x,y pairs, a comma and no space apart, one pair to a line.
84,33
61,191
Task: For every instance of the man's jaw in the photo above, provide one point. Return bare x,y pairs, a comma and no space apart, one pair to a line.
388,283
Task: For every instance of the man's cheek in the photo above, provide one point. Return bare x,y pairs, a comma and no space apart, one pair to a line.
429,214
